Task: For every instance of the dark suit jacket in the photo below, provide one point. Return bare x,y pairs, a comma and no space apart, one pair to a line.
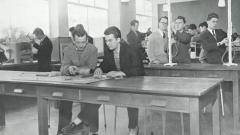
90,39
130,62
183,45
135,39
209,44
44,55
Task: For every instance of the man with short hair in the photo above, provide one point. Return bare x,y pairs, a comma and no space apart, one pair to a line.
44,50
135,38
121,59
213,40
192,29
158,42
202,56
182,41
79,59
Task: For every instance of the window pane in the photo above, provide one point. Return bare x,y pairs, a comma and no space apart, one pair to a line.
98,22
148,8
77,15
87,2
144,23
74,1
140,6
144,7
23,16
101,3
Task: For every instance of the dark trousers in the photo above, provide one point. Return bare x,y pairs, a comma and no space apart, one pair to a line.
88,114
133,117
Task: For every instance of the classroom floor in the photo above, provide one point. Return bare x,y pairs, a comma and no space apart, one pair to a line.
21,119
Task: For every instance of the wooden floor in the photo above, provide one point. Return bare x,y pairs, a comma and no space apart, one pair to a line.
22,119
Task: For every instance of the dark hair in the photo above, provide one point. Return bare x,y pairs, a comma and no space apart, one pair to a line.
113,30
79,33
71,29
165,17
234,36
212,15
192,27
203,24
133,22
182,18
38,31
79,26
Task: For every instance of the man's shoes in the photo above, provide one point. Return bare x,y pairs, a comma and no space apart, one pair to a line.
72,128
133,131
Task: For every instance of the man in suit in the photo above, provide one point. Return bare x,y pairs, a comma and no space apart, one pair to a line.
120,60
157,43
213,40
135,38
182,40
79,59
44,50
202,56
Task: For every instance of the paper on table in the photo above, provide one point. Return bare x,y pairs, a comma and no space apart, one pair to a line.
45,77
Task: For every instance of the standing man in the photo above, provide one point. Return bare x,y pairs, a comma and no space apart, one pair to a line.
158,42
120,59
79,59
135,38
213,40
182,40
202,56
44,50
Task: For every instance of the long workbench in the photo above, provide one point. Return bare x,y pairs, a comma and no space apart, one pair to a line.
149,92
197,70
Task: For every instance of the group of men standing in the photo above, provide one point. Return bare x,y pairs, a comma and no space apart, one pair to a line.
213,41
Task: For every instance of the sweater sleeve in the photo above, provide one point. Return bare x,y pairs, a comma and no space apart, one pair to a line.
66,62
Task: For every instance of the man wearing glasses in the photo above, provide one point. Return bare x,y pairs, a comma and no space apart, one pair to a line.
158,42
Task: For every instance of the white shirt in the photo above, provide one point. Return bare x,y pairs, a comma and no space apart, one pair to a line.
211,31
161,32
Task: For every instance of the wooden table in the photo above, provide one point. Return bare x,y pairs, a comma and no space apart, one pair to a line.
159,93
203,70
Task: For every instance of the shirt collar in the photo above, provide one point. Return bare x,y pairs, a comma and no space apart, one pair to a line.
161,32
42,39
211,30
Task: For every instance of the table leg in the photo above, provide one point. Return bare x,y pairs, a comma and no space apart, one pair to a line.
42,116
216,116
235,103
194,117
2,114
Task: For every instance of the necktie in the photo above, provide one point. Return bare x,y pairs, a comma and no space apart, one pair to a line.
164,35
214,34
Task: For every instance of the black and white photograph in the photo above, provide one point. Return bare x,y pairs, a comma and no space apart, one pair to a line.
119,67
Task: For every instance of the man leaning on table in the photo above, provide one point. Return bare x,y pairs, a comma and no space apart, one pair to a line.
79,59
121,59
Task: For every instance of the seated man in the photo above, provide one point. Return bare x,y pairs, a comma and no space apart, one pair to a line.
79,59
120,59
158,43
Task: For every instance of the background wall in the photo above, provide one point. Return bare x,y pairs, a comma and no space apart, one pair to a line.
197,11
